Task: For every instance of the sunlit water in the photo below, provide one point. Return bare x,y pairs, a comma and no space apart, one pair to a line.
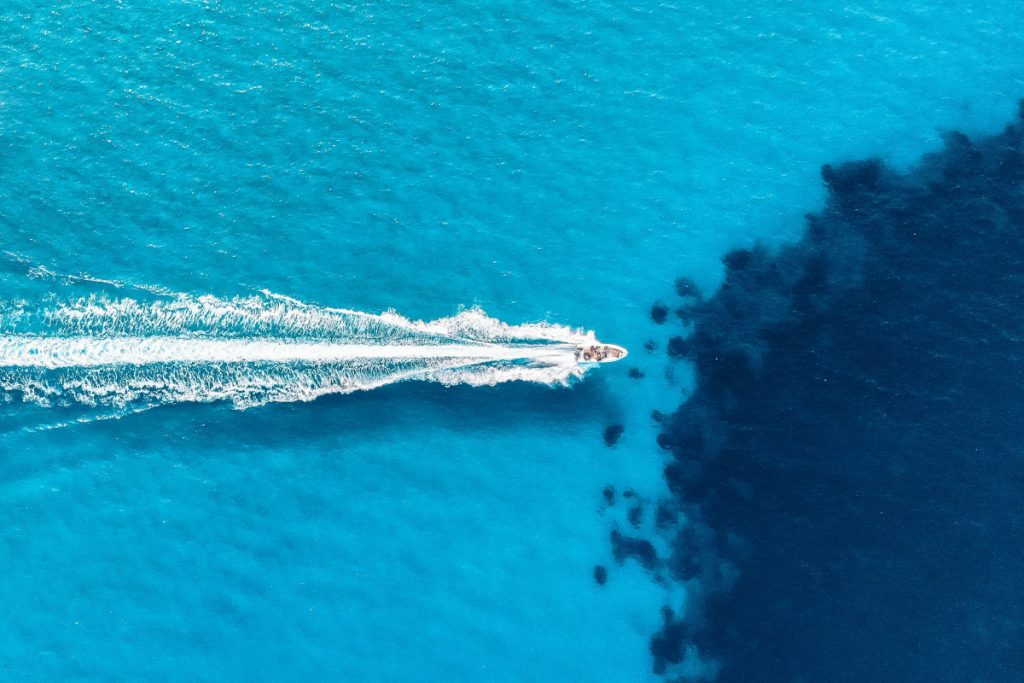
560,163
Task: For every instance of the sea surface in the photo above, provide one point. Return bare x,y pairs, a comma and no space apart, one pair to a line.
558,163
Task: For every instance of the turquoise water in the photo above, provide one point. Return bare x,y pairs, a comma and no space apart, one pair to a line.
559,162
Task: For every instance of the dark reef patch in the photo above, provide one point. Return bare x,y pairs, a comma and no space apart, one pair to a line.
669,644
624,547
665,515
659,313
854,444
676,347
600,575
609,495
635,373
635,515
612,433
687,288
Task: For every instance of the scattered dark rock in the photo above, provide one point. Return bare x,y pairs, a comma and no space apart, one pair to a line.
669,644
687,288
659,313
738,259
635,515
629,493
677,347
650,345
852,176
634,373
624,547
612,434
665,515
600,575
609,495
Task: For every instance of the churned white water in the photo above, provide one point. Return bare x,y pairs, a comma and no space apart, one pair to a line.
265,348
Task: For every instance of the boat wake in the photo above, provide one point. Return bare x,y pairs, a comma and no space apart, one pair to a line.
132,353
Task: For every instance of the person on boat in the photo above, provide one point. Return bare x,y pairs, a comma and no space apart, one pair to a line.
598,353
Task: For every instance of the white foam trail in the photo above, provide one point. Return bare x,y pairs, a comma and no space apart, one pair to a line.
252,350
86,352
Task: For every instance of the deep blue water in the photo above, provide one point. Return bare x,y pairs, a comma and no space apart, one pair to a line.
561,162
853,444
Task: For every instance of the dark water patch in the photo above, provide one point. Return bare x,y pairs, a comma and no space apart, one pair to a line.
853,446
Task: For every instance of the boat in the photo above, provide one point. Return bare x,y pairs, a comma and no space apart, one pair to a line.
600,353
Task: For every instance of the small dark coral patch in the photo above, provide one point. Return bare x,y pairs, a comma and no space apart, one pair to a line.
659,313
738,260
624,547
650,345
668,646
686,288
665,515
677,347
635,373
612,434
852,176
609,495
600,575
635,516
